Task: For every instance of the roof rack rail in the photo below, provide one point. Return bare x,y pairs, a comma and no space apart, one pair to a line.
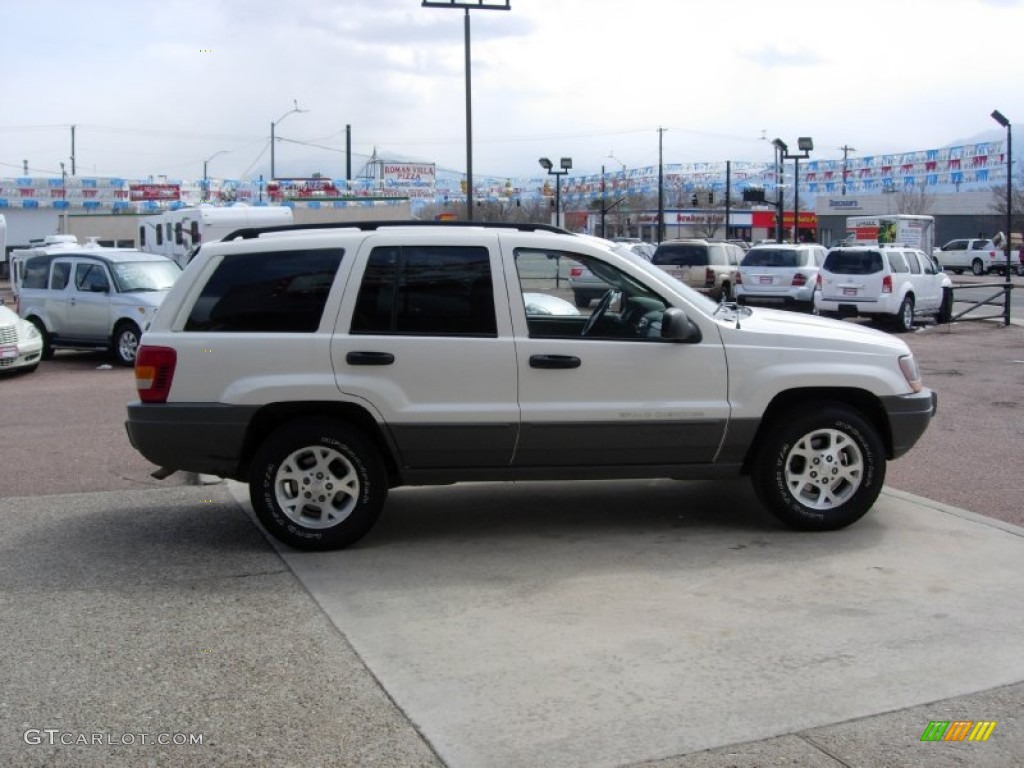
249,233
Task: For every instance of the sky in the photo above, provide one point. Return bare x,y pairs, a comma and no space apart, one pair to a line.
157,87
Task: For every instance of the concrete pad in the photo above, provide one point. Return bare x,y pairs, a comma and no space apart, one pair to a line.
597,624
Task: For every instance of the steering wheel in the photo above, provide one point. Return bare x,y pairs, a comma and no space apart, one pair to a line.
602,307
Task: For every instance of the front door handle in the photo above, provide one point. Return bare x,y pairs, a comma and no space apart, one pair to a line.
369,358
554,361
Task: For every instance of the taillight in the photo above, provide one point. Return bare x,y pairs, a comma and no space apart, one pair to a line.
154,371
817,282
709,278
799,279
739,278
576,272
887,284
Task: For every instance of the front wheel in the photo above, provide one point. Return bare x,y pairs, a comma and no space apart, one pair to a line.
977,268
317,485
126,343
821,471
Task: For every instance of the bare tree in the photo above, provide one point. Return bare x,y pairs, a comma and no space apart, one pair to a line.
998,207
915,200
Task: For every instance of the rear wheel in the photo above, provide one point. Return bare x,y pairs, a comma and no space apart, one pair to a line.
317,485
820,471
905,315
581,300
47,353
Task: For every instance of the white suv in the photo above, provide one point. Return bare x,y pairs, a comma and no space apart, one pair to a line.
325,365
889,282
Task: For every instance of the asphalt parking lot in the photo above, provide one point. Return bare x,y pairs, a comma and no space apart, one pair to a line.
515,625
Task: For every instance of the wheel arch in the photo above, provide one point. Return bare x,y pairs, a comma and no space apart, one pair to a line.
801,399
275,415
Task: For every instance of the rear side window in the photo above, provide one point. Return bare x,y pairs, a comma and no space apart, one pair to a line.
427,290
854,262
681,255
896,262
36,272
275,292
773,257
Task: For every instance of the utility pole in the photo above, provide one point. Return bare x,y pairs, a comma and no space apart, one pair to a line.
846,151
728,188
661,185
348,152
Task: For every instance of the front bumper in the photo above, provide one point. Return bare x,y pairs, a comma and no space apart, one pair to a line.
909,416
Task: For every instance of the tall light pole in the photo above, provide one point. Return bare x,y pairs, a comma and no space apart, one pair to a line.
805,144
206,178
547,165
780,149
506,5
291,111
1001,119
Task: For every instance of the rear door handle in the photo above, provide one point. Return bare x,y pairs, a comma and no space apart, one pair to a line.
554,361
369,358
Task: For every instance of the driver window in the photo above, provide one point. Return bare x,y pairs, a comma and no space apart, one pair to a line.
570,295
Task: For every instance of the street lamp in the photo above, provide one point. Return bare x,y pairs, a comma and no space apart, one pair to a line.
505,5
805,144
547,165
206,178
1001,119
272,126
780,149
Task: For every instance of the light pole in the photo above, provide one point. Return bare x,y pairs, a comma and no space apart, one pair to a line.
805,144
291,111
780,149
506,5
206,178
565,164
1001,119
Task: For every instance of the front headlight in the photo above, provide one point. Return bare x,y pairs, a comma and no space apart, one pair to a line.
31,332
911,373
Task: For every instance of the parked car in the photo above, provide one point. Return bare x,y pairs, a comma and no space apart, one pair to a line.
356,359
708,266
21,344
893,283
780,274
94,298
980,256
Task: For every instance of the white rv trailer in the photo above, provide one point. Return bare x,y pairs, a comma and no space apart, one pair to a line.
177,233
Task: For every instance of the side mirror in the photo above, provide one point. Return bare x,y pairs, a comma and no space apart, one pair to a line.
676,326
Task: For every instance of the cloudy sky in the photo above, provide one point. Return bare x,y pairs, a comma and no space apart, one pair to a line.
155,87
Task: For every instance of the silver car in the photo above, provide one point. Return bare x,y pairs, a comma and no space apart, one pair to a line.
780,274
586,286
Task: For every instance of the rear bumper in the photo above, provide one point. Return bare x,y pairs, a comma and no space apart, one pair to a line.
909,416
193,437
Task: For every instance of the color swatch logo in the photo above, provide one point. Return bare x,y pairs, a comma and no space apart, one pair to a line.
958,730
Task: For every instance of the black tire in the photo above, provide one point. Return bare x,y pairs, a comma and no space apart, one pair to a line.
125,344
904,319
977,268
958,271
726,293
344,480
787,470
47,353
945,313
581,300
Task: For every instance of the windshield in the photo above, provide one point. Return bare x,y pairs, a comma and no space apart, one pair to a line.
145,275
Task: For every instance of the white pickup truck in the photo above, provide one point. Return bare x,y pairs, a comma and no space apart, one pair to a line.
978,255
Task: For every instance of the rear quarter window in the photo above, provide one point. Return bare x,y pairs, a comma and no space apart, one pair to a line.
896,262
273,291
854,262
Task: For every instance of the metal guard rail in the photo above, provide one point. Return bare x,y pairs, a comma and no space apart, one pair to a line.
1004,291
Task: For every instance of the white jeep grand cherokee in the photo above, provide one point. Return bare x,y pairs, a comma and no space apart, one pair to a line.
324,365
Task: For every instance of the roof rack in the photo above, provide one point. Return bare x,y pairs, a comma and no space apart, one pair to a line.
249,233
